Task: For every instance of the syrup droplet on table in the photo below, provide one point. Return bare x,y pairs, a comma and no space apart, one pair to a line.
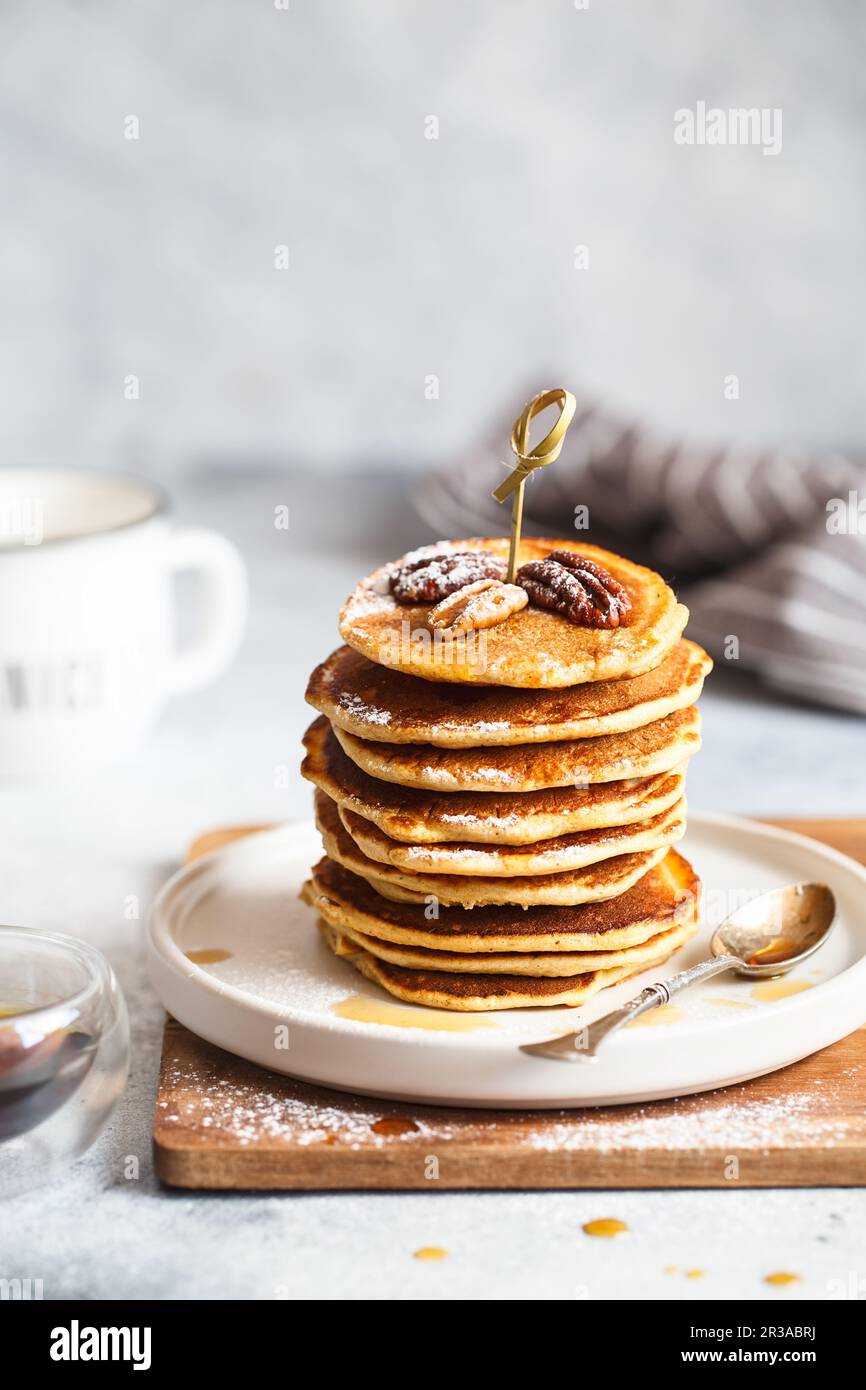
696,1273
430,1252
605,1226
394,1124
781,1278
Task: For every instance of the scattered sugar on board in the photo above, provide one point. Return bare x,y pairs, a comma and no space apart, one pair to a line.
254,1112
738,1123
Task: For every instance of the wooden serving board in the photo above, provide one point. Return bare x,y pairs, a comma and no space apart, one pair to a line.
224,1123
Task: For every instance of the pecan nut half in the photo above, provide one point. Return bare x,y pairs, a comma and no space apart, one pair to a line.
578,588
434,578
482,604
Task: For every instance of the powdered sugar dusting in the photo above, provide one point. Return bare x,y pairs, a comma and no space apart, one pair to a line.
267,1109
478,727
261,1112
468,818
490,778
741,1122
368,599
357,708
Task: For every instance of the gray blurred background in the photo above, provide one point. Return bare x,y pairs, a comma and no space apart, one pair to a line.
409,259
412,257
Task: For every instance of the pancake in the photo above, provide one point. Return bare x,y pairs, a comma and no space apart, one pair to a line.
603,880
664,898
516,861
534,647
345,941
376,703
657,747
439,989
419,817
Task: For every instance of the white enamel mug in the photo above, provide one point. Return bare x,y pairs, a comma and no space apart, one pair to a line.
87,647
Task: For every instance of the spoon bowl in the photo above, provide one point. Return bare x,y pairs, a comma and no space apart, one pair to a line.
777,930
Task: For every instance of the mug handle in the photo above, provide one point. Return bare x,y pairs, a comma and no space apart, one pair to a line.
225,606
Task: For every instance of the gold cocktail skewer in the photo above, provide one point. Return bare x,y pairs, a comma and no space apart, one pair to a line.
528,459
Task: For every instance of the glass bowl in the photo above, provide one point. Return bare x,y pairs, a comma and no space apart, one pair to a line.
64,1053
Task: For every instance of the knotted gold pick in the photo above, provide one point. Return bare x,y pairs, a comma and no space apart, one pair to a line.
528,459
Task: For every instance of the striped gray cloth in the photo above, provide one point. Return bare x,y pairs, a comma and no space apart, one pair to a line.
767,548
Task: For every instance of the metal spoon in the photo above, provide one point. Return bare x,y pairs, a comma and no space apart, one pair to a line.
767,936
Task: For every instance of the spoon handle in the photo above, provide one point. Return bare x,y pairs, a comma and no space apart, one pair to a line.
583,1046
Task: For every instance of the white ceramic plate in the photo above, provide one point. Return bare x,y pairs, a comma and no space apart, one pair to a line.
273,998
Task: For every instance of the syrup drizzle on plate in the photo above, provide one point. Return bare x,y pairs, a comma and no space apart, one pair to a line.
362,1008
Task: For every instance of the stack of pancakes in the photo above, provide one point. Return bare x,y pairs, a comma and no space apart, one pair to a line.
498,816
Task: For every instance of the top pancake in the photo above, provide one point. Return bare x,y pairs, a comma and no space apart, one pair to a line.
382,705
533,648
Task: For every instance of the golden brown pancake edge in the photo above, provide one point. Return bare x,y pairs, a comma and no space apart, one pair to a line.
602,880
663,897
555,855
378,703
656,747
418,816
347,940
489,993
